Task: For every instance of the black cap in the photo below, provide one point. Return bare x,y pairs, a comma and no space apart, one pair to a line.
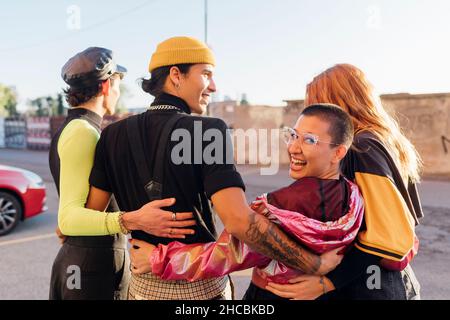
90,67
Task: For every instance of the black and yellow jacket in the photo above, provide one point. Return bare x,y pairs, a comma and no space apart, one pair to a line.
392,209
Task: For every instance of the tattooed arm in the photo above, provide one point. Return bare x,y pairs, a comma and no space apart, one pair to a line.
266,237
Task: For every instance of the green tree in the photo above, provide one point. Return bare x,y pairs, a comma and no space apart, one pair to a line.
244,100
60,105
48,106
8,101
124,95
40,104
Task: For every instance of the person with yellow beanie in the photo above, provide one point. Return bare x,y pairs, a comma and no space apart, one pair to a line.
181,50
183,53
166,153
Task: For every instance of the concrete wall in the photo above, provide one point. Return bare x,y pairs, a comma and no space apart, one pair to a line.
425,120
2,132
262,121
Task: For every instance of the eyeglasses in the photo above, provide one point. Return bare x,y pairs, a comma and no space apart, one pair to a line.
290,135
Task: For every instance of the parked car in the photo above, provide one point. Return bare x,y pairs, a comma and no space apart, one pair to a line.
22,196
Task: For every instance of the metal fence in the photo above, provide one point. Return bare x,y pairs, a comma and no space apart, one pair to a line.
36,132
15,133
2,132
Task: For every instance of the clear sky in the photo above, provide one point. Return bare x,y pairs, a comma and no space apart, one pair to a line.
268,49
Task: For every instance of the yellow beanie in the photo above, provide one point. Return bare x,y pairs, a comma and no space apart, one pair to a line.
180,50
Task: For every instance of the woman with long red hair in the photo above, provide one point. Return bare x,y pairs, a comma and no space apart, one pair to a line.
385,166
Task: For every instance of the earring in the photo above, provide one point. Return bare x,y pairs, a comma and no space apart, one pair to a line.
177,86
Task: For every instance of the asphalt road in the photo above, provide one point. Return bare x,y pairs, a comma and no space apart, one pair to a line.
27,254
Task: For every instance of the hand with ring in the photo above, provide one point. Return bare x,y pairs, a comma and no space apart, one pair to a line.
151,219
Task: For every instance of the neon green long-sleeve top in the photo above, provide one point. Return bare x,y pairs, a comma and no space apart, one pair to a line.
76,149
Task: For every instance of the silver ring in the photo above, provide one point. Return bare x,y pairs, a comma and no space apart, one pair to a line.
174,216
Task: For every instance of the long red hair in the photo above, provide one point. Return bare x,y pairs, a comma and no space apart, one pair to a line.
347,86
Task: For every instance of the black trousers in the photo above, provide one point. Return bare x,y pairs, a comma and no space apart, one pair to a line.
91,268
255,293
394,285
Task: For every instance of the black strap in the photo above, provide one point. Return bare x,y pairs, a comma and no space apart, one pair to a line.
134,140
152,184
322,201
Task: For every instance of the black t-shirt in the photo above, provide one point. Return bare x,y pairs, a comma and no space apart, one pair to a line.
192,184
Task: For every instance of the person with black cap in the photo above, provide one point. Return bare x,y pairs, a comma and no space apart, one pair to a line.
93,262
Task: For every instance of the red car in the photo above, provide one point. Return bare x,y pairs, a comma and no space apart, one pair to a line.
22,196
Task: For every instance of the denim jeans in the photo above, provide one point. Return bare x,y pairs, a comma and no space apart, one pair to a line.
394,285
